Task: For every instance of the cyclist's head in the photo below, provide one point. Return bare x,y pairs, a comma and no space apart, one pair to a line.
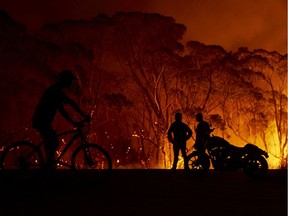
199,117
66,77
178,116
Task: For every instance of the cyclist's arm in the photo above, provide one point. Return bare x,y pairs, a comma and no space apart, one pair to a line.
170,131
73,104
207,128
65,114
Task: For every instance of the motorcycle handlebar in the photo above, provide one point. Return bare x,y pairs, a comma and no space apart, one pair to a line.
211,130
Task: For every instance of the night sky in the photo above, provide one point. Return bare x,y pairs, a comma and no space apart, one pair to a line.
229,23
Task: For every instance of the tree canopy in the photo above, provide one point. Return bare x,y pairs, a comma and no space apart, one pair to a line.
134,73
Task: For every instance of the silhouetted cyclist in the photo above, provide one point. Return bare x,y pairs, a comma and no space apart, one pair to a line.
202,132
178,134
53,100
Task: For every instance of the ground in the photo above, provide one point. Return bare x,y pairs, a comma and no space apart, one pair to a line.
150,192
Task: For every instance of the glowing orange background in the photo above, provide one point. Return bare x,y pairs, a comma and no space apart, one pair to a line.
229,23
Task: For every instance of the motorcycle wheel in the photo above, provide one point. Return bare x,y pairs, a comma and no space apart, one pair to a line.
198,161
255,167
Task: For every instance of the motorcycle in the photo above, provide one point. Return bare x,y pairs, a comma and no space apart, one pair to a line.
225,156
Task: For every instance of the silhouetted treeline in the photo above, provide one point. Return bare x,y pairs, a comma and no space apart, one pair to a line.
134,73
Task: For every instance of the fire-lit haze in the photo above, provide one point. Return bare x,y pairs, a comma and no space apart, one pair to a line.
139,62
229,23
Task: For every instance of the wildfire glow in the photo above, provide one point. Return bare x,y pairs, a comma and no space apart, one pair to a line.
274,160
273,149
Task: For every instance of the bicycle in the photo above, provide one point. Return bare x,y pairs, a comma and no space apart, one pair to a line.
23,161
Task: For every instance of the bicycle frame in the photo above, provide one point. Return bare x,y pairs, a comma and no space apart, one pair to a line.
77,133
24,160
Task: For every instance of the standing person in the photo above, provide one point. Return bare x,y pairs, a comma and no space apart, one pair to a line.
53,100
202,132
178,134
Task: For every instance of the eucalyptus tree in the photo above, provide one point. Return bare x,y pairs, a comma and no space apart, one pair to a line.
147,47
271,68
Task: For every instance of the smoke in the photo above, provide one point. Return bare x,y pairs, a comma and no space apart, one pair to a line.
228,23
232,23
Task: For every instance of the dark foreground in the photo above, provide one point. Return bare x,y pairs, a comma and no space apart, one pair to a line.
150,192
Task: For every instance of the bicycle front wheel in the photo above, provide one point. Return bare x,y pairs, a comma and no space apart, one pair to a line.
92,163
21,162
198,162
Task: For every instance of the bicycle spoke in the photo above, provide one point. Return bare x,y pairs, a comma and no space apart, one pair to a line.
20,162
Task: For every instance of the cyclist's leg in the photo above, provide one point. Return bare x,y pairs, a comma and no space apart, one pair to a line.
176,153
184,155
50,145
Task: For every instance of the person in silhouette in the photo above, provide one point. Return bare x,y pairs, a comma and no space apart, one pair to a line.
178,134
53,100
202,132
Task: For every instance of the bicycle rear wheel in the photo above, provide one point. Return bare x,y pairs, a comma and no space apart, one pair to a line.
21,162
92,163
